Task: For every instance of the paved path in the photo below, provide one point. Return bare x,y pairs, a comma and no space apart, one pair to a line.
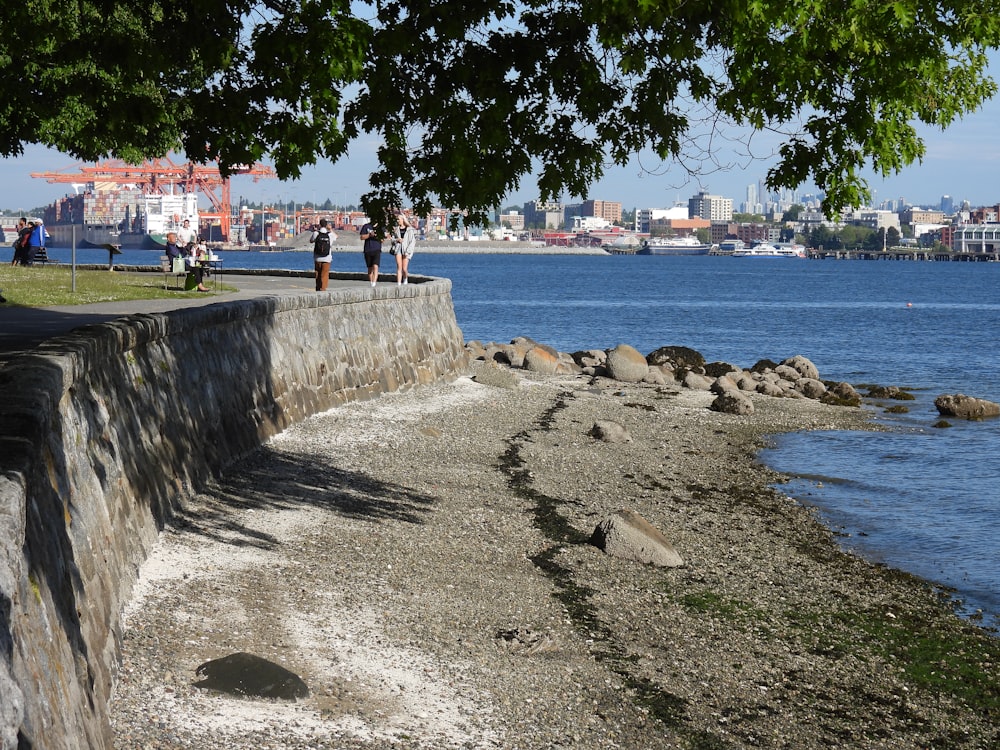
23,328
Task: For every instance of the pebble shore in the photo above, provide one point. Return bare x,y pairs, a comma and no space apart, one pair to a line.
422,562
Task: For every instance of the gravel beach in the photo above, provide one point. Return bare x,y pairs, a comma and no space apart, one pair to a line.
422,562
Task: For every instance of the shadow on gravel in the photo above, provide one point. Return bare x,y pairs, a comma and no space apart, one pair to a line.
268,480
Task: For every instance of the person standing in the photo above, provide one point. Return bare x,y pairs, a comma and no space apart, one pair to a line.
372,237
36,242
21,243
186,235
405,240
322,254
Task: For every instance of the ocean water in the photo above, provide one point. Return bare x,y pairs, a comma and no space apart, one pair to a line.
918,498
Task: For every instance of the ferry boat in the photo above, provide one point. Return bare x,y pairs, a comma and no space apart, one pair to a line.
687,245
764,250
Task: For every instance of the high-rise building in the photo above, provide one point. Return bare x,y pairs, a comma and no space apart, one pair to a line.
711,207
947,205
752,204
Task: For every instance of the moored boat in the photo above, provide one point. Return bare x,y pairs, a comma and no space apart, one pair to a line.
687,245
764,250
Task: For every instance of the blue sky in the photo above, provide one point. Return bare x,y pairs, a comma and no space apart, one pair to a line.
963,162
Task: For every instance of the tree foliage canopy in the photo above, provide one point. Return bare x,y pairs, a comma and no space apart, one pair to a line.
468,97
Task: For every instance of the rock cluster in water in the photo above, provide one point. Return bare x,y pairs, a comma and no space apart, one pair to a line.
966,407
795,377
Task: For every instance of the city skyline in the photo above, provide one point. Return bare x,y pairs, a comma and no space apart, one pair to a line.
962,162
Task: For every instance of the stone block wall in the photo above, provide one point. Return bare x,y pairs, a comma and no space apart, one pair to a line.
104,432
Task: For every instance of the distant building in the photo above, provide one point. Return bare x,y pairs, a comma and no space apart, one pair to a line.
972,238
589,223
711,207
752,204
514,220
917,215
874,219
544,215
750,233
984,215
609,210
947,205
677,227
646,217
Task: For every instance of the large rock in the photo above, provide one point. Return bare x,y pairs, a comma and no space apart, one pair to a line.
590,357
656,376
966,407
722,384
678,357
498,377
841,394
810,387
610,432
718,369
629,536
626,364
505,354
697,382
733,402
767,388
541,360
787,373
803,366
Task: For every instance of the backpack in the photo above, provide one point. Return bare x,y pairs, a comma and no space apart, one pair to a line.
321,245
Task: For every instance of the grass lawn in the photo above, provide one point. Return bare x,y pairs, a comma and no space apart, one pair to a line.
47,286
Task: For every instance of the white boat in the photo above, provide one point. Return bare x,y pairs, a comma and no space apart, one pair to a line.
687,245
763,250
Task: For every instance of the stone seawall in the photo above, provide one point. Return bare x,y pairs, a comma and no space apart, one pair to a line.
104,432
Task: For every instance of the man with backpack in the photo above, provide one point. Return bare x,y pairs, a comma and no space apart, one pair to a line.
322,254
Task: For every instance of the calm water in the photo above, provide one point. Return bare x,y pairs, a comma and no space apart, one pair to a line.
920,498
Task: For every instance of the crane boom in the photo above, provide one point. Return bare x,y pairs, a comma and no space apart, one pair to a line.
163,175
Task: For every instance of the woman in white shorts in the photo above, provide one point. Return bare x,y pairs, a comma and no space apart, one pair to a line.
404,243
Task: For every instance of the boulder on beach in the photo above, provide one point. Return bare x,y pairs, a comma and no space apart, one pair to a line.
966,407
697,382
629,536
723,384
540,360
246,674
678,357
610,432
718,369
505,354
810,387
626,364
499,377
803,366
733,402
841,394
590,357
768,388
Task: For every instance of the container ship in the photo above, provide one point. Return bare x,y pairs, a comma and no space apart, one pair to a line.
135,205
128,217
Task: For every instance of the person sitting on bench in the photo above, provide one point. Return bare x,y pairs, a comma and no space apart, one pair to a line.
191,259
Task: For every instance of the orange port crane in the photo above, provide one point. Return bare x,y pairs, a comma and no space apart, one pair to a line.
163,175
